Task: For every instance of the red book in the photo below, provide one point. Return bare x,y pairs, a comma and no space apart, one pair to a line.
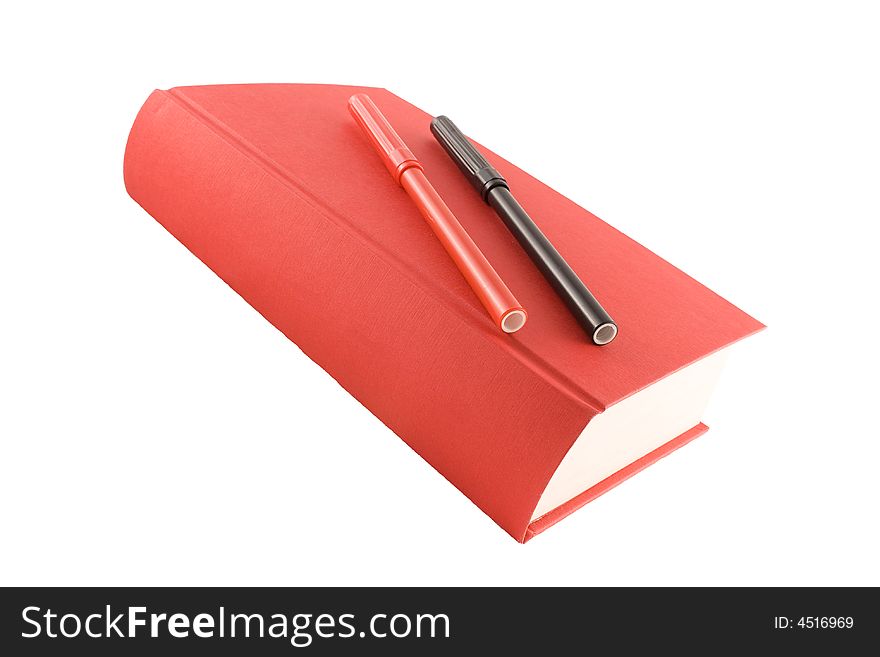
276,190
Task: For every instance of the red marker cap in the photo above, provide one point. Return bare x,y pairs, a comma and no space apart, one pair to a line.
395,155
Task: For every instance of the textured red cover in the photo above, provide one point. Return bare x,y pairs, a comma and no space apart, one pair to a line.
276,190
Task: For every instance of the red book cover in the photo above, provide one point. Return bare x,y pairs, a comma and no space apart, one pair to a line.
274,188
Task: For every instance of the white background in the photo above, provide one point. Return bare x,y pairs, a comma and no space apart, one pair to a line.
156,430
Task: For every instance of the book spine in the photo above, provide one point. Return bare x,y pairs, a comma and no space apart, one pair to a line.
454,394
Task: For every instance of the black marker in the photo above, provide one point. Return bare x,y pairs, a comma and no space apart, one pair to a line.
495,191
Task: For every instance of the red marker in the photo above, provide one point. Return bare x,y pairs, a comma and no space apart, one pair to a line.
499,302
